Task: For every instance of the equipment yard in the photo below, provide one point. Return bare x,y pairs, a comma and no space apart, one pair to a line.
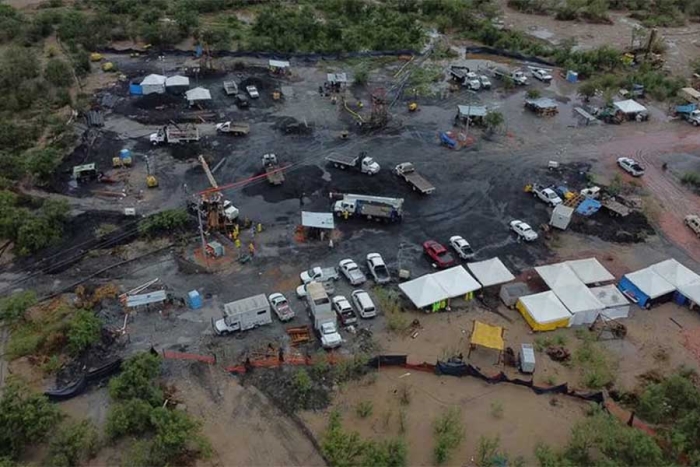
194,203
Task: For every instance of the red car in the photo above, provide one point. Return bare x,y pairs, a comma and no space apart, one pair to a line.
438,254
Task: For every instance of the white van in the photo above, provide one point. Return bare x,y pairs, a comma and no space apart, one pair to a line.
363,304
245,314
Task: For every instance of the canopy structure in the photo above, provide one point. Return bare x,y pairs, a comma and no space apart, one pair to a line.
340,78
486,335
456,281
572,292
153,84
590,271
318,220
644,286
133,301
542,103
278,64
440,286
177,81
490,272
198,94
558,276
615,304
471,111
543,311
691,291
675,273
630,106
423,291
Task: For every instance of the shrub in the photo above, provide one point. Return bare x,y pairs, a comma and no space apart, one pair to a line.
73,444
14,307
137,380
497,409
176,435
165,222
691,178
364,409
448,431
83,331
534,94
58,73
596,367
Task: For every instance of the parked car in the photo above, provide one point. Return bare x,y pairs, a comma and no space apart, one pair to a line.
523,230
378,268
693,222
352,272
252,91
363,304
328,287
281,307
630,166
241,101
462,247
485,82
546,194
344,310
542,75
438,254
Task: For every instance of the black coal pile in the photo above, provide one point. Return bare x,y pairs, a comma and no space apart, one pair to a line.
634,228
152,101
302,180
291,126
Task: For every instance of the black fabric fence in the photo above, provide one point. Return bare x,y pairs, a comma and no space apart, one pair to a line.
508,54
80,385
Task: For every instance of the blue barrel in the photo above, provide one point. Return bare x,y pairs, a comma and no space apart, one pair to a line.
572,76
124,154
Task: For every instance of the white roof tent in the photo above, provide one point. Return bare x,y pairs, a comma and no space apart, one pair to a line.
471,111
318,220
675,273
650,283
616,304
630,106
691,291
558,276
278,63
443,285
590,271
198,94
153,84
177,81
490,272
340,78
153,79
572,292
545,311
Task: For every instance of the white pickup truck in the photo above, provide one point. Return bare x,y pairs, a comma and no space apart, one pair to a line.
546,194
319,274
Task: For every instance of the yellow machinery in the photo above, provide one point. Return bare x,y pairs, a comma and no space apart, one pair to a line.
412,107
151,180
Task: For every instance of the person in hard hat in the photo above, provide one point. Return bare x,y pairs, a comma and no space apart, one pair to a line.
251,249
238,243
260,227
346,215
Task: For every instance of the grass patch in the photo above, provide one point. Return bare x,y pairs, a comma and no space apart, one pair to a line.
448,432
691,178
596,367
422,80
404,393
396,319
364,409
497,409
544,342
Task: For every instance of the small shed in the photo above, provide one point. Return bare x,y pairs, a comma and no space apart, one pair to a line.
561,216
510,293
543,106
474,114
590,271
646,288
490,272
153,84
337,79
197,95
317,220
543,311
615,305
177,84
279,67
632,109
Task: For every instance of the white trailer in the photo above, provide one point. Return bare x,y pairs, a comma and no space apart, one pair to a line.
244,314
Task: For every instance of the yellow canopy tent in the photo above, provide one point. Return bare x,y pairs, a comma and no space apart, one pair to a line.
488,336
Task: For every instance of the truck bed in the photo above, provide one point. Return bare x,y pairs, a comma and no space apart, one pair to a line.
275,178
378,210
419,183
342,159
615,208
230,88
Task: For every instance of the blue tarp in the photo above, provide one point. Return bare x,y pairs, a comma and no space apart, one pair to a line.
446,140
588,207
135,89
632,292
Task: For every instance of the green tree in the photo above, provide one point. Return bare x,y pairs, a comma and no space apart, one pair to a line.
83,331
493,121
58,73
176,435
17,65
25,418
73,444
448,431
131,417
137,380
14,307
340,448
42,162
165,222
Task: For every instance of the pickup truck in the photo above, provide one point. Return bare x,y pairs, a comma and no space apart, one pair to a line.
235,128
407,171
542,75
362,163
275,176
378,268
344,310
614,207
319,274
517,76
546,194
252,92
281,307
230,88
352,272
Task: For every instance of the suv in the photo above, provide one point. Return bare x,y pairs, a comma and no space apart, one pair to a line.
630,166
363,304
693,222
342,308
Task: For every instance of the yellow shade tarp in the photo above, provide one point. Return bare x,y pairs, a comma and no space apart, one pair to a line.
488,336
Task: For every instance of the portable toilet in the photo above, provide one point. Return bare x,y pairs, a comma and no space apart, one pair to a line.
561,216
572,76
527,358
125,157
194,300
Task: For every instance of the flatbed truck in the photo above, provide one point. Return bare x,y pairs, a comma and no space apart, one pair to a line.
407,171
362,163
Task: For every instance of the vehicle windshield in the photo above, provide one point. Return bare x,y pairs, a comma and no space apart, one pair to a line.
380,270
351,267
551,195
442,253
328,328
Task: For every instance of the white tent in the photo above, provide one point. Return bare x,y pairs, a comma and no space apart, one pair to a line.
423,291
153,84
544,311
456,281
675,273
177,81
615,304
490,272
590,271
650,283
581,302
691,291
558,276
319,220
198,94
630,106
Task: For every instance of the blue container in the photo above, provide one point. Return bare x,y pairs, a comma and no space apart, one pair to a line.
124,154
572,76
135,90
194,300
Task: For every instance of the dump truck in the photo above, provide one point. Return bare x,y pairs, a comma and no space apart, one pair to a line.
465,77
322,315
690,113
230,88
615,208
517,76
377,208
245,314
175,134
362,163
234,128
272,169
407,171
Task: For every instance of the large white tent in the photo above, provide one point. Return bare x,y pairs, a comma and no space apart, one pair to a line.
572,292
456,281
544,311
198,94
490,272
590,271
650,283
630,106
423,291
615,304
177,83
675,273
691,291
558,276
153,84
